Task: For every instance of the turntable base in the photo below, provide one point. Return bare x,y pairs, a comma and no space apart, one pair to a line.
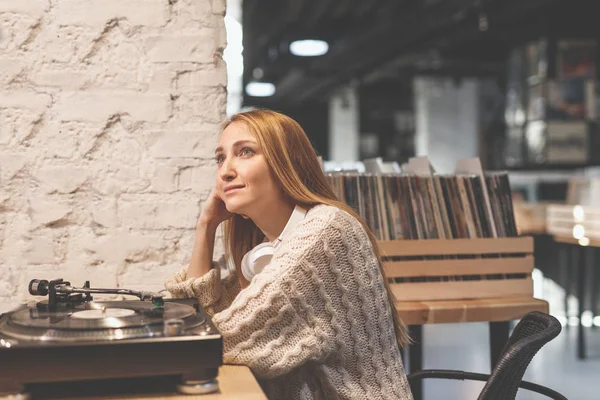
69,346
235,382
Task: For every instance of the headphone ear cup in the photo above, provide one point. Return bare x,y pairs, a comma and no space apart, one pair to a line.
246,268
256,260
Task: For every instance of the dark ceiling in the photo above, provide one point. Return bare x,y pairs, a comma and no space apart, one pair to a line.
385,42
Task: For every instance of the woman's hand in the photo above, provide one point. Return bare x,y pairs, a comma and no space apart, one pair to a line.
214,211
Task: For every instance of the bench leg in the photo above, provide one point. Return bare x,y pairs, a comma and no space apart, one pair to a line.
415,358
498,337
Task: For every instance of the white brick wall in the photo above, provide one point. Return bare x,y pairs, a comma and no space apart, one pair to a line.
109,111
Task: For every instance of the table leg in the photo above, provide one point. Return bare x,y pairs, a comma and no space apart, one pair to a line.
415,355
592,282
563,265
581,279
498,337
571,269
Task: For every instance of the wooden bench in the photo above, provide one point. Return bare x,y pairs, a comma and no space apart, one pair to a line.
431,278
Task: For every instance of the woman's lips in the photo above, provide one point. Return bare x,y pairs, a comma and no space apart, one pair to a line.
232,189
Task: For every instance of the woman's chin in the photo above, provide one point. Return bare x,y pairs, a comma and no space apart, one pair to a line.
235,209
240,213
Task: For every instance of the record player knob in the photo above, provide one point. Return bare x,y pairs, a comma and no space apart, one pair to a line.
173,327
38,287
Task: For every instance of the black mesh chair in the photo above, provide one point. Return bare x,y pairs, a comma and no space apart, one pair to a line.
531,333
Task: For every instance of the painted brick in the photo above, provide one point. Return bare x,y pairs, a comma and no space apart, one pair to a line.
30,7
198,180
194,81
61,179
157,215
39,251
182,48
45,211
165,179
63,78
219,6
99,106
9,69
98,12
197,144
27,99
12,163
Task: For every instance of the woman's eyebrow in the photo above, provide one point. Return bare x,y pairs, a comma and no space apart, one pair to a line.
236,144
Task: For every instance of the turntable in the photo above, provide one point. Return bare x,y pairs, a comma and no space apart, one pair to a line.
71,340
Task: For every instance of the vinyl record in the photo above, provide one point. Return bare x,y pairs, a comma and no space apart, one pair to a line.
108,320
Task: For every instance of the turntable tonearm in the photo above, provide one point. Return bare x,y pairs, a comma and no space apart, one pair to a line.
69,338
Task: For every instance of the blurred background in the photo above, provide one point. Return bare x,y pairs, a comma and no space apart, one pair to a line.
511,82
501,77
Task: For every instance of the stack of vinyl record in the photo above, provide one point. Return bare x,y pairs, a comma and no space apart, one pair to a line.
406,206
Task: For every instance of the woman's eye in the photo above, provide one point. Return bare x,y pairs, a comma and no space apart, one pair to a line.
246,151
219,159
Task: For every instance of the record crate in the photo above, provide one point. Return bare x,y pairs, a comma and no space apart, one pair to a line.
452,269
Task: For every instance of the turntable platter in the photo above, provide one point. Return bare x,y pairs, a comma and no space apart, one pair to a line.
97,321
104,313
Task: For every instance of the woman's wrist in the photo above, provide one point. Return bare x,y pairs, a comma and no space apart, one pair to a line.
202,253
207,226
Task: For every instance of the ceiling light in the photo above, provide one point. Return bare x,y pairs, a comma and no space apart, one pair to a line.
258,73
260,89
309,48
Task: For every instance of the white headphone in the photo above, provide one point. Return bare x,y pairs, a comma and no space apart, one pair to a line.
259,257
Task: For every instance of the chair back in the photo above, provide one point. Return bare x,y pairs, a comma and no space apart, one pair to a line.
529,336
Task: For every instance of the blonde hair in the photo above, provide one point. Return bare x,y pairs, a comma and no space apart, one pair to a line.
295,167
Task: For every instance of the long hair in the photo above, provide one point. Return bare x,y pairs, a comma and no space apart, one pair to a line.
295,167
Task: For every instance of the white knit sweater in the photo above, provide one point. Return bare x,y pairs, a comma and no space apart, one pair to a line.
316,322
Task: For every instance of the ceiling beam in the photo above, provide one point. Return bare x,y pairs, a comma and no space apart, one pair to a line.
366,52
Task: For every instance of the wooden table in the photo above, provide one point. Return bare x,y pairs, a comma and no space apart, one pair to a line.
498,312
235,383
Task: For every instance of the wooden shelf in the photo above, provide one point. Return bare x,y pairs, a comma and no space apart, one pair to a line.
432,247
484,266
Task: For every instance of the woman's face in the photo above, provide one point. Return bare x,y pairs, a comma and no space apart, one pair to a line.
244,180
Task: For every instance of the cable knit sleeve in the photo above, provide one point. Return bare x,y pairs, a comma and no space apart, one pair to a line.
280,321
213,293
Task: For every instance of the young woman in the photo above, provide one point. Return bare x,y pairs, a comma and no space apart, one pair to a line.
307,307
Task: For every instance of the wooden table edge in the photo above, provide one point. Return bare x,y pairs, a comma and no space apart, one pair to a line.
469,310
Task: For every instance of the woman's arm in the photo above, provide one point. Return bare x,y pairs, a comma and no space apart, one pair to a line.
202,253
271,328
202,277
213,293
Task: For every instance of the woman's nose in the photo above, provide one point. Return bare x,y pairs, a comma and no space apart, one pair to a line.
227,170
